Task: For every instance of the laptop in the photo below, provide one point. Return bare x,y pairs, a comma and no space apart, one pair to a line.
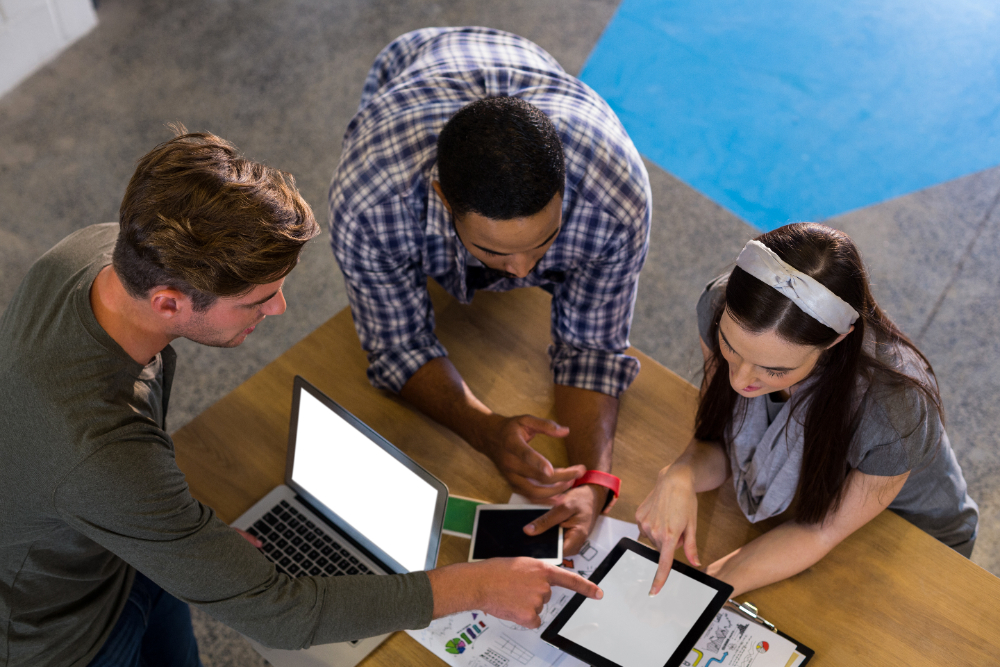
352,505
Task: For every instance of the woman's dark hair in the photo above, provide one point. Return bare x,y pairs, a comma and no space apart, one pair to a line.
500,157
830,257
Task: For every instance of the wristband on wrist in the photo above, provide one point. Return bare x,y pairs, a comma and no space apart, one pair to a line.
605,479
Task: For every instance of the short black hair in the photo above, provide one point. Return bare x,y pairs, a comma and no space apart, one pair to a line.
500,157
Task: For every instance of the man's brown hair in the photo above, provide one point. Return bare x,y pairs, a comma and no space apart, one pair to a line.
200,218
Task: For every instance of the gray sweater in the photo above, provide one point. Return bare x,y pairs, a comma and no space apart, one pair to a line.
90,492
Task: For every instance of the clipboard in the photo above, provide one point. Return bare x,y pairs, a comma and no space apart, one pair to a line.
749,610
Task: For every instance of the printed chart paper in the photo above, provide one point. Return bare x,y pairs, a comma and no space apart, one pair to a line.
475,639
733,640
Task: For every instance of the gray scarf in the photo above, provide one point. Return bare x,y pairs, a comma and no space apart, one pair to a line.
766,459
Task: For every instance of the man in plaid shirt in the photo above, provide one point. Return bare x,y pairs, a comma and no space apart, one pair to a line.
476,160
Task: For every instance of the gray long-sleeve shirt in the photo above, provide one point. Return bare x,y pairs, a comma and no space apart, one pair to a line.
90,492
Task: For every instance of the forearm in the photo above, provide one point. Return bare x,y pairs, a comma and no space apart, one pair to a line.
704,464
514,589
236,584
438,391
591,418
776,555
454,588
792,547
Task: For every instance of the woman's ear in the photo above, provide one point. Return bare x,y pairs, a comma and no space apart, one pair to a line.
840,337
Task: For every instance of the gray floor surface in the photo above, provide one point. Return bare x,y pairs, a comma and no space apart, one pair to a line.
281,79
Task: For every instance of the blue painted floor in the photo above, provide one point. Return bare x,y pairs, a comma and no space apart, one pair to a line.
783,110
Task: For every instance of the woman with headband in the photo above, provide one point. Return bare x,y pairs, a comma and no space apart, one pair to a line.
817,407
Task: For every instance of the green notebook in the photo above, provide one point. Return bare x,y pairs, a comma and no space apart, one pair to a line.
459,515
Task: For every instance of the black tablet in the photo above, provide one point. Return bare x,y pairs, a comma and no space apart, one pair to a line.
498,532
627,628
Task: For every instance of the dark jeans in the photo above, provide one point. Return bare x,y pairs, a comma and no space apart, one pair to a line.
154,630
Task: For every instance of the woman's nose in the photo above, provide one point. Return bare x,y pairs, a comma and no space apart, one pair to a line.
741,375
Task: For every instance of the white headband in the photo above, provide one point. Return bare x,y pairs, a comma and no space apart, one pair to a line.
814,298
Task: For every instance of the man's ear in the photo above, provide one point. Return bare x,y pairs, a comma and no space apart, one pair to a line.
437,189
169,303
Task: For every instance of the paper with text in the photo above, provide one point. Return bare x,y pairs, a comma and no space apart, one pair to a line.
475,639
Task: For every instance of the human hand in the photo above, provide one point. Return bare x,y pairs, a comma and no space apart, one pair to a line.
249,538
505,440
514,589
669,516
576,511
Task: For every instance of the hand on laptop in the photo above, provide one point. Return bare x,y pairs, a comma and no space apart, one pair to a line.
249,538
514,589
506,442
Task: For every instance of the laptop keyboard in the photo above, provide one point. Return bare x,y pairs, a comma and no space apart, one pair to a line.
299,548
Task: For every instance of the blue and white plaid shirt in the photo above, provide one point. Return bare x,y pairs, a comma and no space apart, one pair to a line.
390,230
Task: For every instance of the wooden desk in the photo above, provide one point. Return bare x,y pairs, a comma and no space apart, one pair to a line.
889,595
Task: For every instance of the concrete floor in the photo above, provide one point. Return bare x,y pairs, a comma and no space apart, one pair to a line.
281,79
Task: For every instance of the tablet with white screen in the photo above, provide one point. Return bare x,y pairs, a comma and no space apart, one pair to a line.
627,628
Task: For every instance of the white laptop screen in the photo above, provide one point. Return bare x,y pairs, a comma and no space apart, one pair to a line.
362,483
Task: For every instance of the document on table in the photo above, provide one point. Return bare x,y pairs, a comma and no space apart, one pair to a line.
733,640
475,639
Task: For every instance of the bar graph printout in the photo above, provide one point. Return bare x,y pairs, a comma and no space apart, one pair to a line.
475,639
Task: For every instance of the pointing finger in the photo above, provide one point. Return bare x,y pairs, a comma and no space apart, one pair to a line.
662,570
552,518
574,582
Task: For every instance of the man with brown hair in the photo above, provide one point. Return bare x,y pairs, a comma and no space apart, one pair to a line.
99,530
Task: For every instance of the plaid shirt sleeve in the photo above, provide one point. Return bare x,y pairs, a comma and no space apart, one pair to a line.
592,313
387,290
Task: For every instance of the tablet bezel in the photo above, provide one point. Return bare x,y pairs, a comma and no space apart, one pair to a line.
723,592
486,507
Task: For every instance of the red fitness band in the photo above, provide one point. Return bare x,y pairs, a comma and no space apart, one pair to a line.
605,479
